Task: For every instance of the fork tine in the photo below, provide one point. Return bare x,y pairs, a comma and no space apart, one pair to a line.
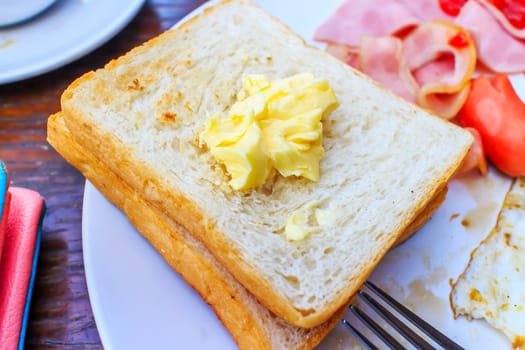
364,340
403,329
377,329
433,333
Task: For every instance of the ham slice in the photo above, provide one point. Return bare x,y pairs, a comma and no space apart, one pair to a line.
517,33
425,10
444,104
438,57
501,46
382,59
442,58
497,48
345,53
354,19
423,68
475,158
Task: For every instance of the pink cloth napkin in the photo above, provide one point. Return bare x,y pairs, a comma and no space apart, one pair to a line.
21,224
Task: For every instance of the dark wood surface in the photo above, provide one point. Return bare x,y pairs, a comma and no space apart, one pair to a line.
60,315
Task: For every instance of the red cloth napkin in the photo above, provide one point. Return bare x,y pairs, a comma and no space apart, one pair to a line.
18,264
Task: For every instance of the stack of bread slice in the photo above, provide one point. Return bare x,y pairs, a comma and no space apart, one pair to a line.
132,128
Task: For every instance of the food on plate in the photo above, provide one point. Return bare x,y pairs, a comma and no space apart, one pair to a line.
495,110
429,63
498,49
500,45
475,158
272,125
355,19
432,66
309,219
493,284
384,159
249,322
382,59
427,52
510,13
442,57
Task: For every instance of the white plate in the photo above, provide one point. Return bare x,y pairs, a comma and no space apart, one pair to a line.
64,32
139,302
21,10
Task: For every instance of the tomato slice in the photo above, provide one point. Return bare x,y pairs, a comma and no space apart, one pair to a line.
496,111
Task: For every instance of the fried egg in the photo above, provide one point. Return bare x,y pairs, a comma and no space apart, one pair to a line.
493,284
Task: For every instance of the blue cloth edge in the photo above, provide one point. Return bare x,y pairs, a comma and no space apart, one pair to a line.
3,187
23,326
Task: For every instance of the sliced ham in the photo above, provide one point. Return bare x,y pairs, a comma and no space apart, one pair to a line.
436,39
382,59
475,158
501,46
356,18
497,48
425,10
503,20
437,59
347,54
439,68
442,58
444,104
423,68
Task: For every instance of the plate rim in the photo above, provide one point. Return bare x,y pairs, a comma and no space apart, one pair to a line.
84,47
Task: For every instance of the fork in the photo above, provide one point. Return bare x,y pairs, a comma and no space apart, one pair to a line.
370,296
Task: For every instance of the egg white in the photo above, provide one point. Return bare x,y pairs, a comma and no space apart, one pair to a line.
493,284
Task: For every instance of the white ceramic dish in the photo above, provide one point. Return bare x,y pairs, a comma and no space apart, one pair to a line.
64,32
21,10
139,302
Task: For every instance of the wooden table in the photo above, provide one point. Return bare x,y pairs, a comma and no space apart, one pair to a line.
61,315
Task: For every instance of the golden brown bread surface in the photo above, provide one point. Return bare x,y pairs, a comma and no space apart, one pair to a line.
383,161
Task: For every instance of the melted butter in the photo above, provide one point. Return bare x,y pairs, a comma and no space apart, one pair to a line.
273,125
309,219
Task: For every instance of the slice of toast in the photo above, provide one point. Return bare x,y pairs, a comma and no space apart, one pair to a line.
251,325
384,159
